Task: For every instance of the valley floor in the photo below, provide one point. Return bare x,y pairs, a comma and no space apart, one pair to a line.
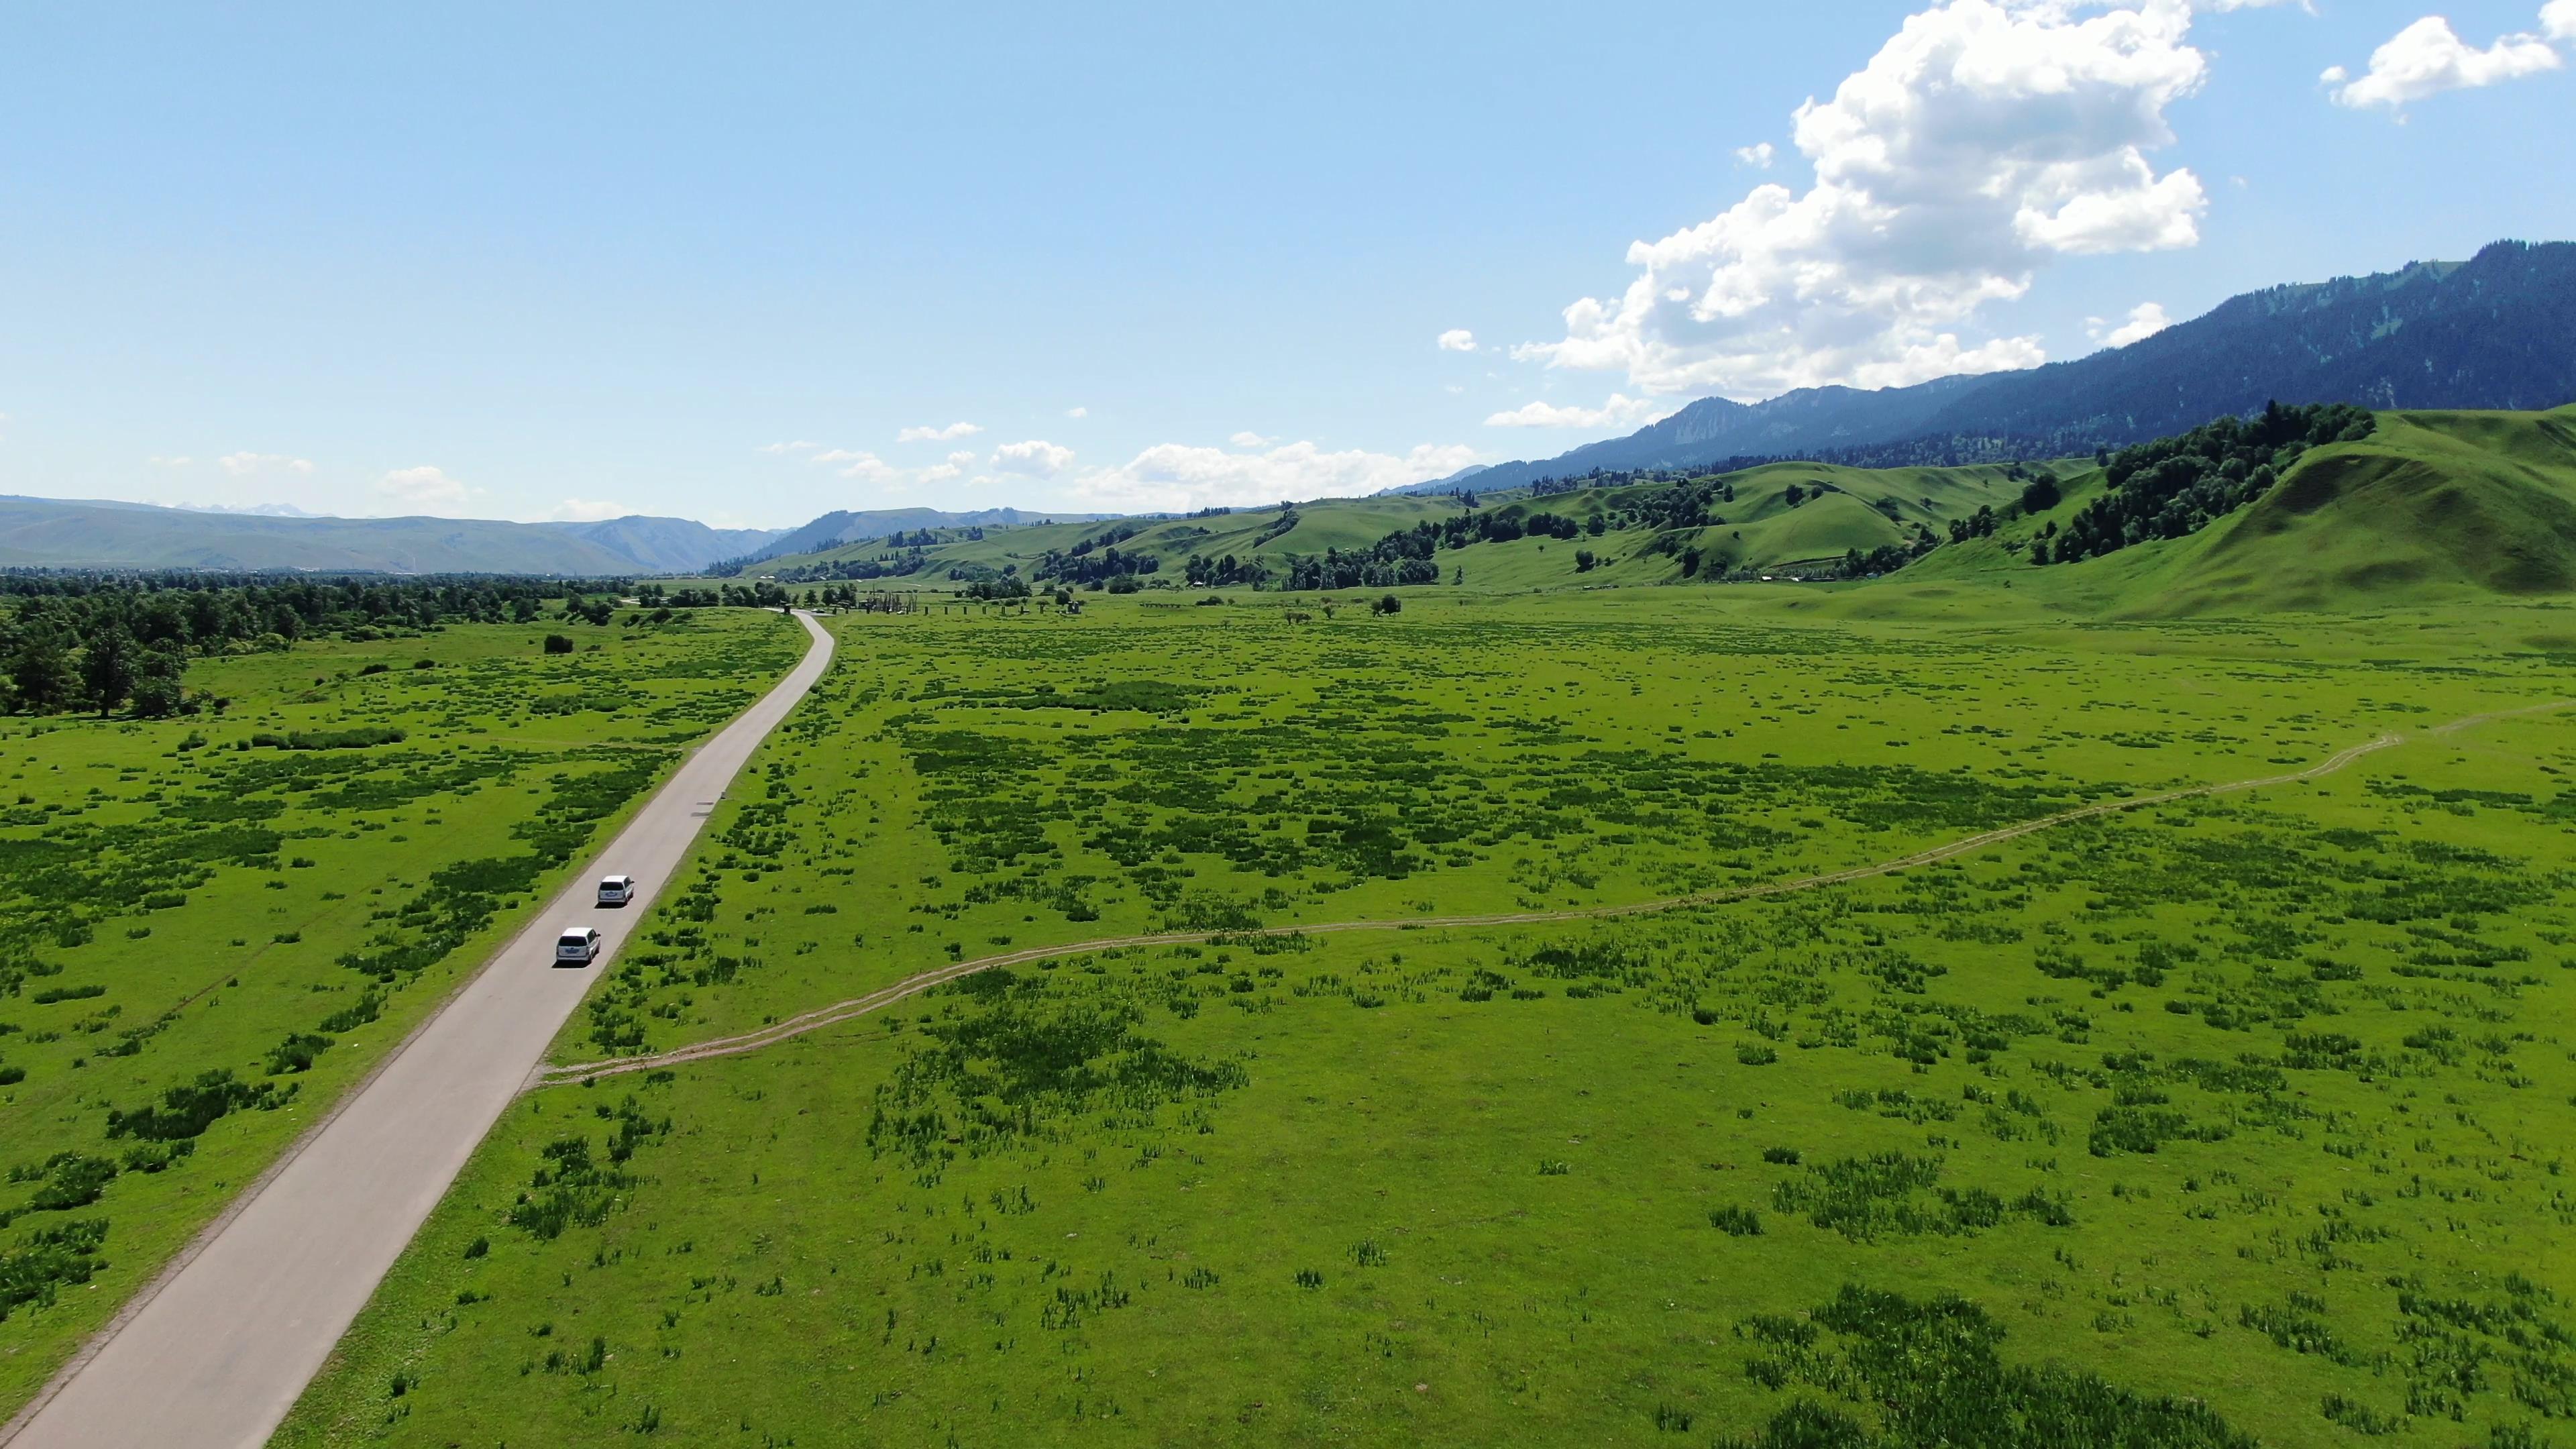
2240,1118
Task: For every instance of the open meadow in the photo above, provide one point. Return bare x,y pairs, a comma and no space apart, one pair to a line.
2240,1117
213,925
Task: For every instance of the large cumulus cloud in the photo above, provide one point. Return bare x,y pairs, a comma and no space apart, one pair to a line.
1984,139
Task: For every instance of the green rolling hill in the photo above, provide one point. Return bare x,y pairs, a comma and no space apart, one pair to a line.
1781,516
2432,506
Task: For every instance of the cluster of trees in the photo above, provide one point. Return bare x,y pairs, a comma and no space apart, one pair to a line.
762,595
1887,558
1103,539
1226,572
207,612
1369,568
103,641
1091,570
1685,504
2038,495
2174,486
1409,555
883,566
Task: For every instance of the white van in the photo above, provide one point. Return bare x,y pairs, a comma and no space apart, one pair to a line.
616,890
577,947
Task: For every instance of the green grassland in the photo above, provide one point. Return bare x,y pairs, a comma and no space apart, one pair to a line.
2238,1118
206,939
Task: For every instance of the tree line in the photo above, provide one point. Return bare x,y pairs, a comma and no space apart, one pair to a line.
108,641
2175,486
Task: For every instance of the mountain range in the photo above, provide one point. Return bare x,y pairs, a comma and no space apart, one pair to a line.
2496,331
53,533
842,526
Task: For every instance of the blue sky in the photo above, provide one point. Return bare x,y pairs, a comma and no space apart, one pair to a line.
573,261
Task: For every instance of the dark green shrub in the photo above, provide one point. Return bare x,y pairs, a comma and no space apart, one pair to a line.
1738,1222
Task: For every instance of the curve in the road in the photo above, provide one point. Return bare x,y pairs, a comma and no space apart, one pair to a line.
215,1351
841,1011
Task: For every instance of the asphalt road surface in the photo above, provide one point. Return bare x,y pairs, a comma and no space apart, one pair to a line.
215,1354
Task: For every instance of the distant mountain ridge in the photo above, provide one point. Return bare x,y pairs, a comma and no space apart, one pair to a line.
2496,331
671,545
56,533
844,526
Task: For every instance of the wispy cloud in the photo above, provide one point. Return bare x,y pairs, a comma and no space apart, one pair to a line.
586,510
1620,411
425,489
948,434
2145,320
2428,58
1457,339
955,467
1178,477
1036,458
252,465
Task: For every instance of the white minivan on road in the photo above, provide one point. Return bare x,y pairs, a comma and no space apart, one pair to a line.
577,947
616,890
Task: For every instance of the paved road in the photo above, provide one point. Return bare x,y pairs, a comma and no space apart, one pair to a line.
215,1357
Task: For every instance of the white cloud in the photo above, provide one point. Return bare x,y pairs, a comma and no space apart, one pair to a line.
865,466
1759,155
1982,141
1620,411
2558,20
1035,458
2145,320
181,461
955,467
423,490
1175,477
586,510
251,465
1077,412
799,446
2428,58
948,434
1250,439
1457,339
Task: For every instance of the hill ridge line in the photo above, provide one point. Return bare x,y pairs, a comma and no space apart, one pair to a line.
914,985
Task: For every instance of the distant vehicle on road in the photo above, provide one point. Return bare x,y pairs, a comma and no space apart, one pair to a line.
616,890
577,947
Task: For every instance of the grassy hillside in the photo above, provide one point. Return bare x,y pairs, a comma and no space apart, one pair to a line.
2433,507
1836,509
